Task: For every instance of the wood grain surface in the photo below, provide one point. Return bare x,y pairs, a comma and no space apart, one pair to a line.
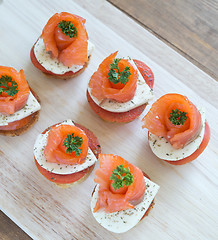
47,212
190,27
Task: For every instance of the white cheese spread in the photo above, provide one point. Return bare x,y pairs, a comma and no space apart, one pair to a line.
52,64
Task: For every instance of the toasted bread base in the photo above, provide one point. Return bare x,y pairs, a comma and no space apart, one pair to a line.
121,117
67,185
19,131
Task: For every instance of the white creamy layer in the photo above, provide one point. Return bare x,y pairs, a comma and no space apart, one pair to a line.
31,106
164,150
52,64
122,221
39,147
142,96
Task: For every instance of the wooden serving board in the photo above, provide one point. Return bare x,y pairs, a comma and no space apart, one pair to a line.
186,204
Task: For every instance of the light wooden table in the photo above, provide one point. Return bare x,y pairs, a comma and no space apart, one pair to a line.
189,27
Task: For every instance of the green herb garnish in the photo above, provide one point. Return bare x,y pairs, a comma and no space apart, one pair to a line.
72,143
121,176
8,85
177,117
68,28
117,76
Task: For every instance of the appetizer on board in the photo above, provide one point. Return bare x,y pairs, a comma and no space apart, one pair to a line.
123,194
120,89
19,104
66,153
63,49
178,131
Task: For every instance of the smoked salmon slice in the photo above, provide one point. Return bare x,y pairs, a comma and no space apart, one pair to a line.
68,50
126,197
16,98
158,122
102,88
66,144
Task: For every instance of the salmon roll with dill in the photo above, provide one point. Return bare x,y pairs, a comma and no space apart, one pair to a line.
123,196
19,104
178,130
63,50
120,89
66,153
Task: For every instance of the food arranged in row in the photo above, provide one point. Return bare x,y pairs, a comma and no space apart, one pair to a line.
66,154
119,91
